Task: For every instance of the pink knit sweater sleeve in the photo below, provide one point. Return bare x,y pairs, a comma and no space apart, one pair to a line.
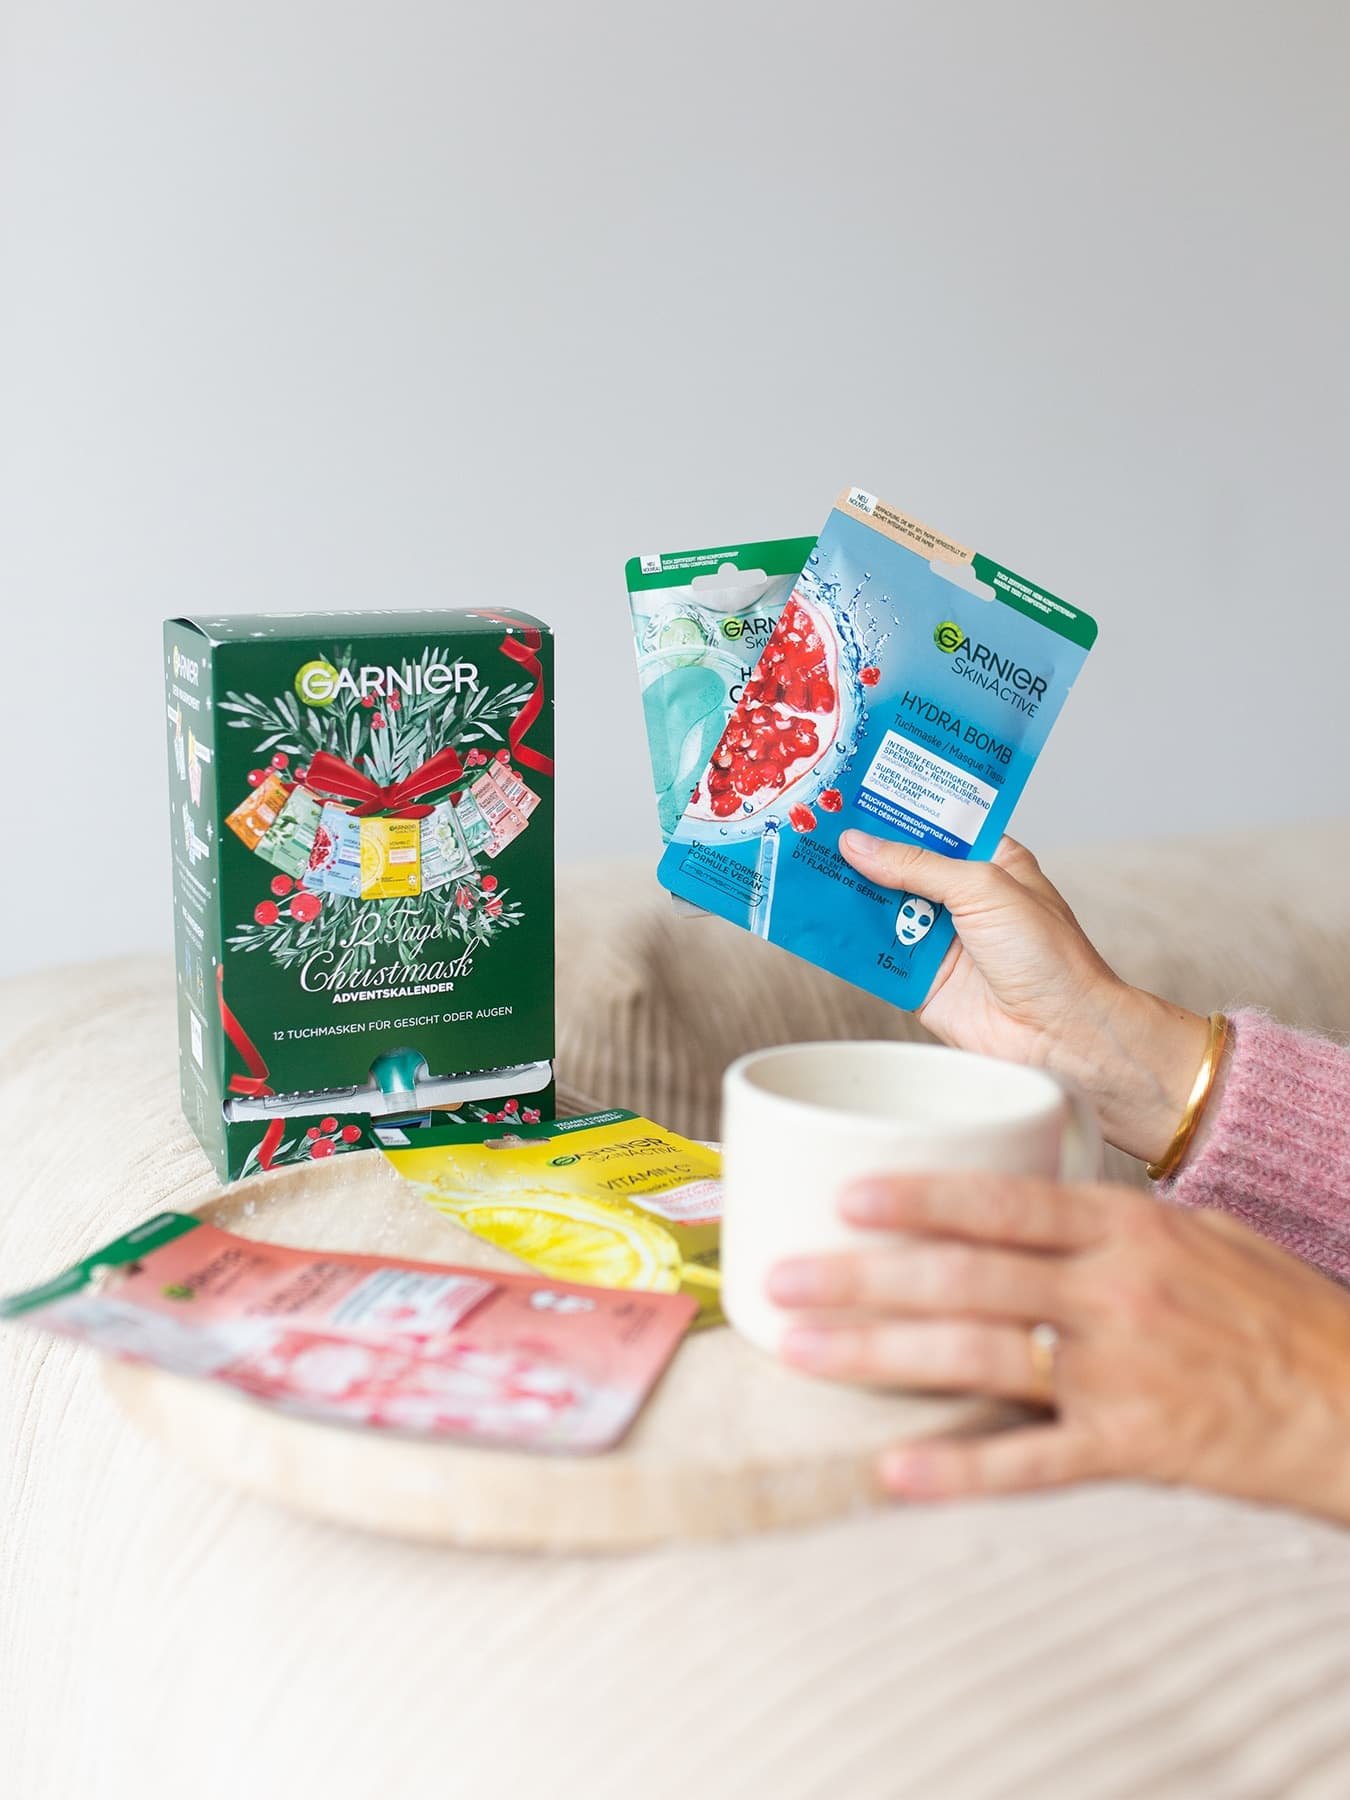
1276,1147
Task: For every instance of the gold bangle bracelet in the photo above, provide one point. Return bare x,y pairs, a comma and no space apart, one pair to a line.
1201,1089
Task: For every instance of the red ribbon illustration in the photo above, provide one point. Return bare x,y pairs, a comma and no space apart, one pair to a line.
255,1084
525,651
334,776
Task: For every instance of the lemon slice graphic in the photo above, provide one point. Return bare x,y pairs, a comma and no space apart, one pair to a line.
573,1240
372,859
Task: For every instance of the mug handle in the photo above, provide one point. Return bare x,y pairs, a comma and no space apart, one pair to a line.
1082,1156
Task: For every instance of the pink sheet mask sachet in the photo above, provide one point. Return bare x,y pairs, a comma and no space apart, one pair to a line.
505,1361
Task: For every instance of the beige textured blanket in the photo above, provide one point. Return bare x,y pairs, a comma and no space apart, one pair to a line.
160,1635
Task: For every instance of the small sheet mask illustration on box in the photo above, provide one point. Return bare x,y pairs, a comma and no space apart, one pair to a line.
335,859
258,811
391,858
503,803
288,841
446,855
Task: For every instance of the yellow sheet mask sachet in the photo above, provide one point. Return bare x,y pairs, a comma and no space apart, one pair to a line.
391,858
609,1198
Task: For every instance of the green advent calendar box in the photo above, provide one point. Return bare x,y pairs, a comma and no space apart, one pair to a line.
362,831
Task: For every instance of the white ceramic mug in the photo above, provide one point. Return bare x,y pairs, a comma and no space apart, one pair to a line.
801,1121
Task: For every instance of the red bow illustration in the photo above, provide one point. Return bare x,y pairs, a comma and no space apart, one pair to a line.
525,651
256,1083
334,776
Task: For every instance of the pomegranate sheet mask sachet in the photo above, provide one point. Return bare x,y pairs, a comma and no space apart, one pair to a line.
700,620
906,691
503,1361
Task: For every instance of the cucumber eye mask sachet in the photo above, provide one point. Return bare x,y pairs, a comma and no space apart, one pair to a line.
913,705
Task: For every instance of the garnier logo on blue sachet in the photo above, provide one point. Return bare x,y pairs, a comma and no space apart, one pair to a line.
907,689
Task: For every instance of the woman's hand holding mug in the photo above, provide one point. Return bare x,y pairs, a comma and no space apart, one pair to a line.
800,1121
1184,1348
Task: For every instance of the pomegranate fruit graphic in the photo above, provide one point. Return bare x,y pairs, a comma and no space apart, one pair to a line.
787,720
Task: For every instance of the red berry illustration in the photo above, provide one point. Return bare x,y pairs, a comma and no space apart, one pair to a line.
280,760
306,907
282,885
787,718
393,703
328,1126
324,1147
801,818
463,897
869,676
503,756
530,1114
302,771
367,699
511,1106
488,884
377,722
350,1134
266,912
312,1134
492,1118
831,799
255,776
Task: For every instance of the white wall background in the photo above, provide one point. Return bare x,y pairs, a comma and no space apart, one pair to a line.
315,303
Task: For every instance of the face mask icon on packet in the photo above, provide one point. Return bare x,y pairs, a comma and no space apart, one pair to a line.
915,919
907,691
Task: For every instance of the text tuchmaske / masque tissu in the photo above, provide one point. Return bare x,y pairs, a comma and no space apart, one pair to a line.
893,698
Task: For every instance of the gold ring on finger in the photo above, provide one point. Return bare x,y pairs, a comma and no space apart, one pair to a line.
1043,1352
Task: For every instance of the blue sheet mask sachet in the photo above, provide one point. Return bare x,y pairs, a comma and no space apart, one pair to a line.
890,697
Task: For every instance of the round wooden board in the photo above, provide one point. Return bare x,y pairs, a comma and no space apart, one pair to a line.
730,1441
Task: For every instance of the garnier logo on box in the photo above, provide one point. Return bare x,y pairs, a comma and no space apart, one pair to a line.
318,683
